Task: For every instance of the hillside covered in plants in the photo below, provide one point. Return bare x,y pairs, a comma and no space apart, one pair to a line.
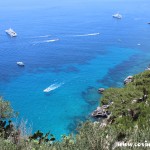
128,121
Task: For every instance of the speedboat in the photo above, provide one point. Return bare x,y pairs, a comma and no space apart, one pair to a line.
19,63
11,32
47,90
51,88
117,15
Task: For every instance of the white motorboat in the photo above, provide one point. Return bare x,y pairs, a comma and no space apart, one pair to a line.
47,90
11,32
19,63
117,15
52,87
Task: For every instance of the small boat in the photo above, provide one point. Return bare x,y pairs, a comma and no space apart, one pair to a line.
19,63
148,23
117,15
11,32
47,90
52,87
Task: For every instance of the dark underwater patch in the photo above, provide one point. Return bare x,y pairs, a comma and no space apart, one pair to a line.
116,75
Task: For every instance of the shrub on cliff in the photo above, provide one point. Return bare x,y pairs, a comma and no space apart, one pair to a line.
6,111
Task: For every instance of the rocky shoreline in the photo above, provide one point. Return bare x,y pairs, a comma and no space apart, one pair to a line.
102,112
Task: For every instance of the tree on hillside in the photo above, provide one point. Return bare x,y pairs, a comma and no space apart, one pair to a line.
6,111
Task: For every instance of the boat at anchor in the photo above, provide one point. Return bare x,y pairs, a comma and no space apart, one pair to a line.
11,32
19,63
117,15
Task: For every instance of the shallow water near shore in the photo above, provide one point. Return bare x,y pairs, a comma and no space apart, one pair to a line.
73,48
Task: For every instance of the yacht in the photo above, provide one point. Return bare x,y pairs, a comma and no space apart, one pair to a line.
117,15
19,63
11,32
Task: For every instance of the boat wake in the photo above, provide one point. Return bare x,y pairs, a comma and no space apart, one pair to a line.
91,34
53,40
46,41
52,87
42,36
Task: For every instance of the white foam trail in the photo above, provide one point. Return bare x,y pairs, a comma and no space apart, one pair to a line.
91,34
42,36
46,41
53,40
52,87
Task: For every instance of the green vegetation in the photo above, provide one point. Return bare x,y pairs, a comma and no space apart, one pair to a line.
128,122
6,111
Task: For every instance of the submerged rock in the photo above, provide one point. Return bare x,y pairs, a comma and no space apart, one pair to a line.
90,95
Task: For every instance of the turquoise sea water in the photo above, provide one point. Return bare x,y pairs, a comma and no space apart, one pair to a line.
74,47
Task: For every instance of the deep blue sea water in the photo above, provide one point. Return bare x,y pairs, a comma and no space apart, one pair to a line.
74,46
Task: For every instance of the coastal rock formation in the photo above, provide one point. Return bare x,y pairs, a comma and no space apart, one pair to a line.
101,112
128,79
148,68
101,90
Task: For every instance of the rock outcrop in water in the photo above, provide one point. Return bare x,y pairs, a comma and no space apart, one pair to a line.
101,112
101,90
123,102
128,79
